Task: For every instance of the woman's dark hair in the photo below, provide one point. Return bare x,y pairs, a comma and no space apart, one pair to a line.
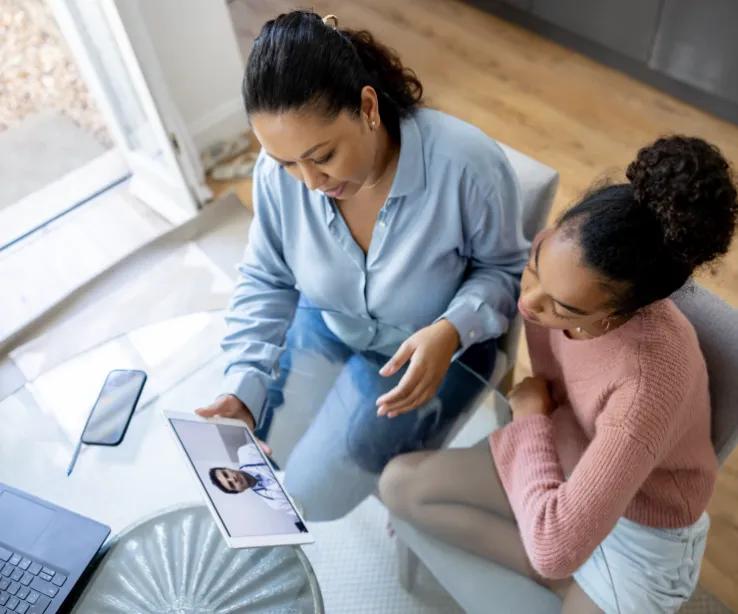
678,212
299,62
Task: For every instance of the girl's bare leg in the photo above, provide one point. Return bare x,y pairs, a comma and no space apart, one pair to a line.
457,496
576,601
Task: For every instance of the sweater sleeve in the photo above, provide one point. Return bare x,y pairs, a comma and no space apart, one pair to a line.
562,521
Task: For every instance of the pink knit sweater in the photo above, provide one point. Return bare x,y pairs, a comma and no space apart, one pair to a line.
630,436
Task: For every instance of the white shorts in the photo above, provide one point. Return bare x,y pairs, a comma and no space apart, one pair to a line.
644,570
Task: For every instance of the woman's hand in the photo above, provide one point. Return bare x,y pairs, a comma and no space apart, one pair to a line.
230,406
531,397
429,351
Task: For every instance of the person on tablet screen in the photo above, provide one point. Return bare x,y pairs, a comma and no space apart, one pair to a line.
253,473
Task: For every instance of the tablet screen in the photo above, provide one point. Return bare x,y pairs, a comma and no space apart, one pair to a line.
242,487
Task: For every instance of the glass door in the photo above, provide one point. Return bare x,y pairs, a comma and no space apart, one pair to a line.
165,171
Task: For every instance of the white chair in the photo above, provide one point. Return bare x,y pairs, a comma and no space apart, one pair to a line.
480,585
538,184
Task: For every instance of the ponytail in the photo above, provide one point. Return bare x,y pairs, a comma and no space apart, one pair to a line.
298,62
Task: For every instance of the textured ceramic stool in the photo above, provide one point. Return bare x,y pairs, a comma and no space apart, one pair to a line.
177,562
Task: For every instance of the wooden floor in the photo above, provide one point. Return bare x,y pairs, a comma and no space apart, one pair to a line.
582,118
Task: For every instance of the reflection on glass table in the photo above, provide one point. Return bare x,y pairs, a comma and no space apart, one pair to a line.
121,485
171,559
320,415
113,484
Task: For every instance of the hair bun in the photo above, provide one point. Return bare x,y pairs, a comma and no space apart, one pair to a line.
686,183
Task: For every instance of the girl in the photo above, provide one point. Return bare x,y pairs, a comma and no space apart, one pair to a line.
599,485
396,230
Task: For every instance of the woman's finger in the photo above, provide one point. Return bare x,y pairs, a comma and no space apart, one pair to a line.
265,447
404,388
413,400
416,400
394,364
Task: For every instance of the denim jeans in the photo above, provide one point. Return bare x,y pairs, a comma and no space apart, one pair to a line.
343,447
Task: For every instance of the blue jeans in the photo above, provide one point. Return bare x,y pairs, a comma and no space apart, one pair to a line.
343,446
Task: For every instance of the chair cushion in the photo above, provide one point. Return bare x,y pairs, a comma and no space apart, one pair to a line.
538,184
716,324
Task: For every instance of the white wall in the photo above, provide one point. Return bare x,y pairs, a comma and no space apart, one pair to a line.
198,59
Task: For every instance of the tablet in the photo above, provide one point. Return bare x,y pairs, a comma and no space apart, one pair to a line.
247,501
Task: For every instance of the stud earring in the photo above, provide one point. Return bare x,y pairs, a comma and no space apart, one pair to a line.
373,125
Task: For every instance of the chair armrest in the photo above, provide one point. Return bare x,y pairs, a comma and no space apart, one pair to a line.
476,583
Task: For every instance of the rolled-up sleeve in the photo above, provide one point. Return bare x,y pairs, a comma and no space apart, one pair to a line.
263,303
497,251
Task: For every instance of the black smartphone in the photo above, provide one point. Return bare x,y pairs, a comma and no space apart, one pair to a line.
108,421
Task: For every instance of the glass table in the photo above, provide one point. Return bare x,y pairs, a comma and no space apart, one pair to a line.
165,552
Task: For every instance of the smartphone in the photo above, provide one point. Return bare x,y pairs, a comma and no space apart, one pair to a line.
108,421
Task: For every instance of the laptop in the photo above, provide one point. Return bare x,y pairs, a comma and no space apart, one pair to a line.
44,550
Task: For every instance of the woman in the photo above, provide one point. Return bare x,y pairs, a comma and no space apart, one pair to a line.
397,232
602,478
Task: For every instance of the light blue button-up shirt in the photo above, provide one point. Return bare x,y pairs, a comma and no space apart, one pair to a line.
448,243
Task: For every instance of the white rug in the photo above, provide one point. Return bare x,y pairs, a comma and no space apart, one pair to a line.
354,559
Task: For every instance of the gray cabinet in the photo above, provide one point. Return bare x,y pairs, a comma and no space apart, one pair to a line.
688,48
697,42
626,26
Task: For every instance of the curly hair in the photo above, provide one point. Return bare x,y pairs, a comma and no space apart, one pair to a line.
677,213
299,62
687,184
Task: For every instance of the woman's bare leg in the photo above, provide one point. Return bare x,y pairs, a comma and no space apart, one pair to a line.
457,496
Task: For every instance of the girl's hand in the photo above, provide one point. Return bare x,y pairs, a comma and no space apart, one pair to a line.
531,397
429,351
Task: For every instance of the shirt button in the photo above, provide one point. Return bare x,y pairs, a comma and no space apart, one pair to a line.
472,334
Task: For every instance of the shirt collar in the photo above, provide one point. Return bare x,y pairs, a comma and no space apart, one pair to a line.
330,212
410,174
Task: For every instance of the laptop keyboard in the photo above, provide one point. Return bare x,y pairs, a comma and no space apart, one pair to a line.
26,586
